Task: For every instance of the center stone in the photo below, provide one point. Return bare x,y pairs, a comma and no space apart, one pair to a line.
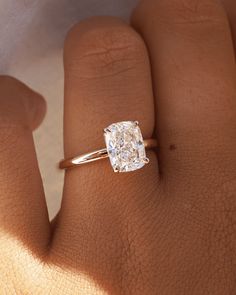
125,146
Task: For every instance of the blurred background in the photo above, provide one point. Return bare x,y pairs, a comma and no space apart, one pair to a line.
32,34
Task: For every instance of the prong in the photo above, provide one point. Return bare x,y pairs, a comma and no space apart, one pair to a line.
116,170
146,160
106,130
136,123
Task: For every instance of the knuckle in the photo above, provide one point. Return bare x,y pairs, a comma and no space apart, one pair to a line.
106,51
8,86
4,79
175,12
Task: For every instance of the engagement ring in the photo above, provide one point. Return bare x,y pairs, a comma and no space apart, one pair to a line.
125,148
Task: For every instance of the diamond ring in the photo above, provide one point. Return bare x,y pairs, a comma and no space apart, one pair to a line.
125,148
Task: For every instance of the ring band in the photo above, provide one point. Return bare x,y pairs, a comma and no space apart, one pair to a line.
124,146
97,155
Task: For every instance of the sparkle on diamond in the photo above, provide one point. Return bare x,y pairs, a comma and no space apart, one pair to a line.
125,146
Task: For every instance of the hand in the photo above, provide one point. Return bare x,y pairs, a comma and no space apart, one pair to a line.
168,228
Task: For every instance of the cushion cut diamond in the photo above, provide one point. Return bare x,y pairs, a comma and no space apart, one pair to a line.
125,146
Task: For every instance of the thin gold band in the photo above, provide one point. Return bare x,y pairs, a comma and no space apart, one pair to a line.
97,155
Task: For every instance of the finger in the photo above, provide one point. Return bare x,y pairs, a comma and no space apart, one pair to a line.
107,79
23,212
194,81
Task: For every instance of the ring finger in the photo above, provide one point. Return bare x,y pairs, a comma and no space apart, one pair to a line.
107,79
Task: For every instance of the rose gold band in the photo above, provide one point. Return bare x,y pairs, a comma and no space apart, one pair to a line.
97,155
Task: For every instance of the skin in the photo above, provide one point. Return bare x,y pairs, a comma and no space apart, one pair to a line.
167,229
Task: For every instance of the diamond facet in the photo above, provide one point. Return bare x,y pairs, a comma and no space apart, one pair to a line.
125,146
